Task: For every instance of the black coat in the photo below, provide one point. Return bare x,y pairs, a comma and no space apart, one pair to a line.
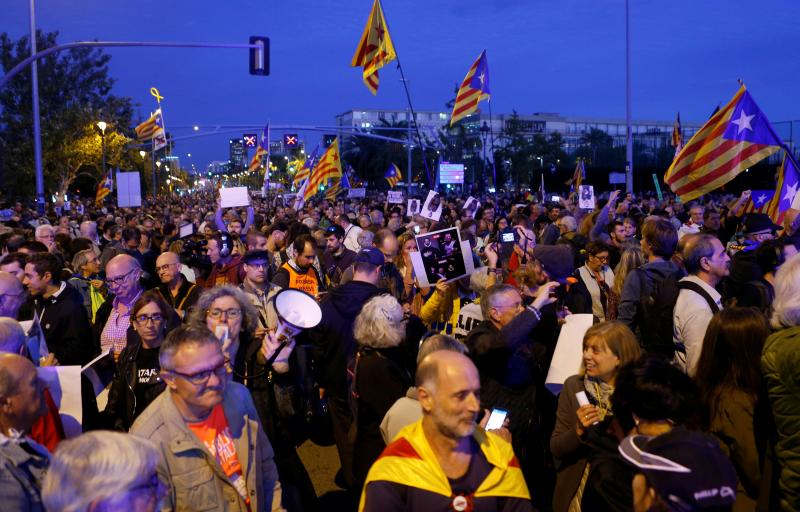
333,340
122,409
66,327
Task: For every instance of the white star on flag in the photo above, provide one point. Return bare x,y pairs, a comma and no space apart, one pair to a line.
761,199
791,191
482,77
743,122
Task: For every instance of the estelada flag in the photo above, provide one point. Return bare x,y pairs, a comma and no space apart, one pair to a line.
393,175
474,88
104,188
735,138
375,49
329,166
261,151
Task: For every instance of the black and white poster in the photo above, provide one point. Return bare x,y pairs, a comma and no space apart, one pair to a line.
441,256
432,208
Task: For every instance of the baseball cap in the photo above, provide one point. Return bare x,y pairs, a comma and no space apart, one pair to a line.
335,230
758,222
556,260
372,256
687,469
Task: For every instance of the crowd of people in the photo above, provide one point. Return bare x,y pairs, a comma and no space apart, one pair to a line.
684,397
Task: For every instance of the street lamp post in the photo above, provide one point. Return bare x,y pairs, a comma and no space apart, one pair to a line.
155,178
484,135
102,125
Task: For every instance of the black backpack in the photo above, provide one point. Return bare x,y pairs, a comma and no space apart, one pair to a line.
659,293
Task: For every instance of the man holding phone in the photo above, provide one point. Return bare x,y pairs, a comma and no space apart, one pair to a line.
443,462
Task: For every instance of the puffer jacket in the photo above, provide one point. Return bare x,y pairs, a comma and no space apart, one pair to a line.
780,363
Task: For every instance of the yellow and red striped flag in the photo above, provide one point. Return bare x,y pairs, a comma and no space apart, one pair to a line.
104,188
329,166
375,49
735,138
474,88
393,175
333,190
261,151
305,170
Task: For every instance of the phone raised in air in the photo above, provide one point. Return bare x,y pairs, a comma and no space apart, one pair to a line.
496,419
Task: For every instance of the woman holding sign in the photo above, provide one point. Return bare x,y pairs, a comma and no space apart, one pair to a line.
585,403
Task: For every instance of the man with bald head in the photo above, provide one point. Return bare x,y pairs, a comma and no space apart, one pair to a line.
177,291
113,319
88,229
59,307
23,462
445,461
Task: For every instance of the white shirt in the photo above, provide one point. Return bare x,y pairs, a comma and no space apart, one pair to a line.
351,237
690,320
688,229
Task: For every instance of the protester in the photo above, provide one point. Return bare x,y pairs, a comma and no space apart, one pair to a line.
104,471
12,295
443,461
607,346
175,289
299,273
226,267
337,258
593,293
207,418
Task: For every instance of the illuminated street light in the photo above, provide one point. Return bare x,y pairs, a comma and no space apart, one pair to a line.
196,128
102,125
142,153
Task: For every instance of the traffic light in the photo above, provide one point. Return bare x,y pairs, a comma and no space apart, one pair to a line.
259,57
290,140
250,140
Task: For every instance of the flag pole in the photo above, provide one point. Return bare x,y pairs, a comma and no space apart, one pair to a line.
491,138
410,107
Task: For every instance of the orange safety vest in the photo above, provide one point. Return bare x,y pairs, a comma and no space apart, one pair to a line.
308,282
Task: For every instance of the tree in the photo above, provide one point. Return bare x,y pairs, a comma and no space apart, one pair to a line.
371,157
74,93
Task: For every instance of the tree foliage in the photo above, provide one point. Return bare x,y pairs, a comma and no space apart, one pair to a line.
74,94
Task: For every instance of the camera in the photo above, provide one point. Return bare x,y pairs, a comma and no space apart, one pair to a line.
508,236
194,254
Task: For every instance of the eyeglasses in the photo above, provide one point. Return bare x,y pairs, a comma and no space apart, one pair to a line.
604,259
166,266
119,279
230,313
202,377
155,318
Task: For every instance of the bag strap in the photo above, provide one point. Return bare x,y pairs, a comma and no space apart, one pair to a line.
696,288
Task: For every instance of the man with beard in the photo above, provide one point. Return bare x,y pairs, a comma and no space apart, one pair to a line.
299,273
443,461
337,258
205,425
259,290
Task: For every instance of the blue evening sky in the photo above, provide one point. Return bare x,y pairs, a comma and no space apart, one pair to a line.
563,56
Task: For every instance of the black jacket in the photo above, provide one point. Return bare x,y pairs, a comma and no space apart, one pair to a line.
333,340
66,327
188,294
122,409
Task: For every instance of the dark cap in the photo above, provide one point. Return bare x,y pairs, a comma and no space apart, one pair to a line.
758,222
557,260
687,469
278,226
335,230
259,255
372,256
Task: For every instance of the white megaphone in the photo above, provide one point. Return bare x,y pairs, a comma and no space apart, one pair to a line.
297,311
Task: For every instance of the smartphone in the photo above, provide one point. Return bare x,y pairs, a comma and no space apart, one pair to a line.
555,198
496,419
416,229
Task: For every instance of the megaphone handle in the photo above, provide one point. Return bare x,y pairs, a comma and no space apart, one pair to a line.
277,353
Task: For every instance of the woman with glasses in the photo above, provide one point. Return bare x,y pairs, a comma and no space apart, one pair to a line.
137,379
594,293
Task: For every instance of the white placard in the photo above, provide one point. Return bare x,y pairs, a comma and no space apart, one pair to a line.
129,191
569,351
395,197
64,384
234,196
586,197
357,192
432,208
471,207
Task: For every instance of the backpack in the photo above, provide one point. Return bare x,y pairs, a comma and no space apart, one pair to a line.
659,293
696,288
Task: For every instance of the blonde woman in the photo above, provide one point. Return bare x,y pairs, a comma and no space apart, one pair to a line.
631,259
607,347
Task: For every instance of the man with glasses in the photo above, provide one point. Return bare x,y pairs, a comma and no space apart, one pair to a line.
175,288
59,307
23,462
215,455
113,319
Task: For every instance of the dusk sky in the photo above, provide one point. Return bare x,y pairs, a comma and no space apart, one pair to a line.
565,56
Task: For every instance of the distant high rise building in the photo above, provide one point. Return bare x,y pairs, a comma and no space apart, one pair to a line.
237,155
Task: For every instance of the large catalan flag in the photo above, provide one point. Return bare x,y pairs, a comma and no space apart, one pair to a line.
333,190
261,151
474,88
305,171
785,195
329,166
735,138
393,175
104,188
152,129
375,49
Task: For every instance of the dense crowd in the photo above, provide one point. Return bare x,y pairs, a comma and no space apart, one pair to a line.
431,387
